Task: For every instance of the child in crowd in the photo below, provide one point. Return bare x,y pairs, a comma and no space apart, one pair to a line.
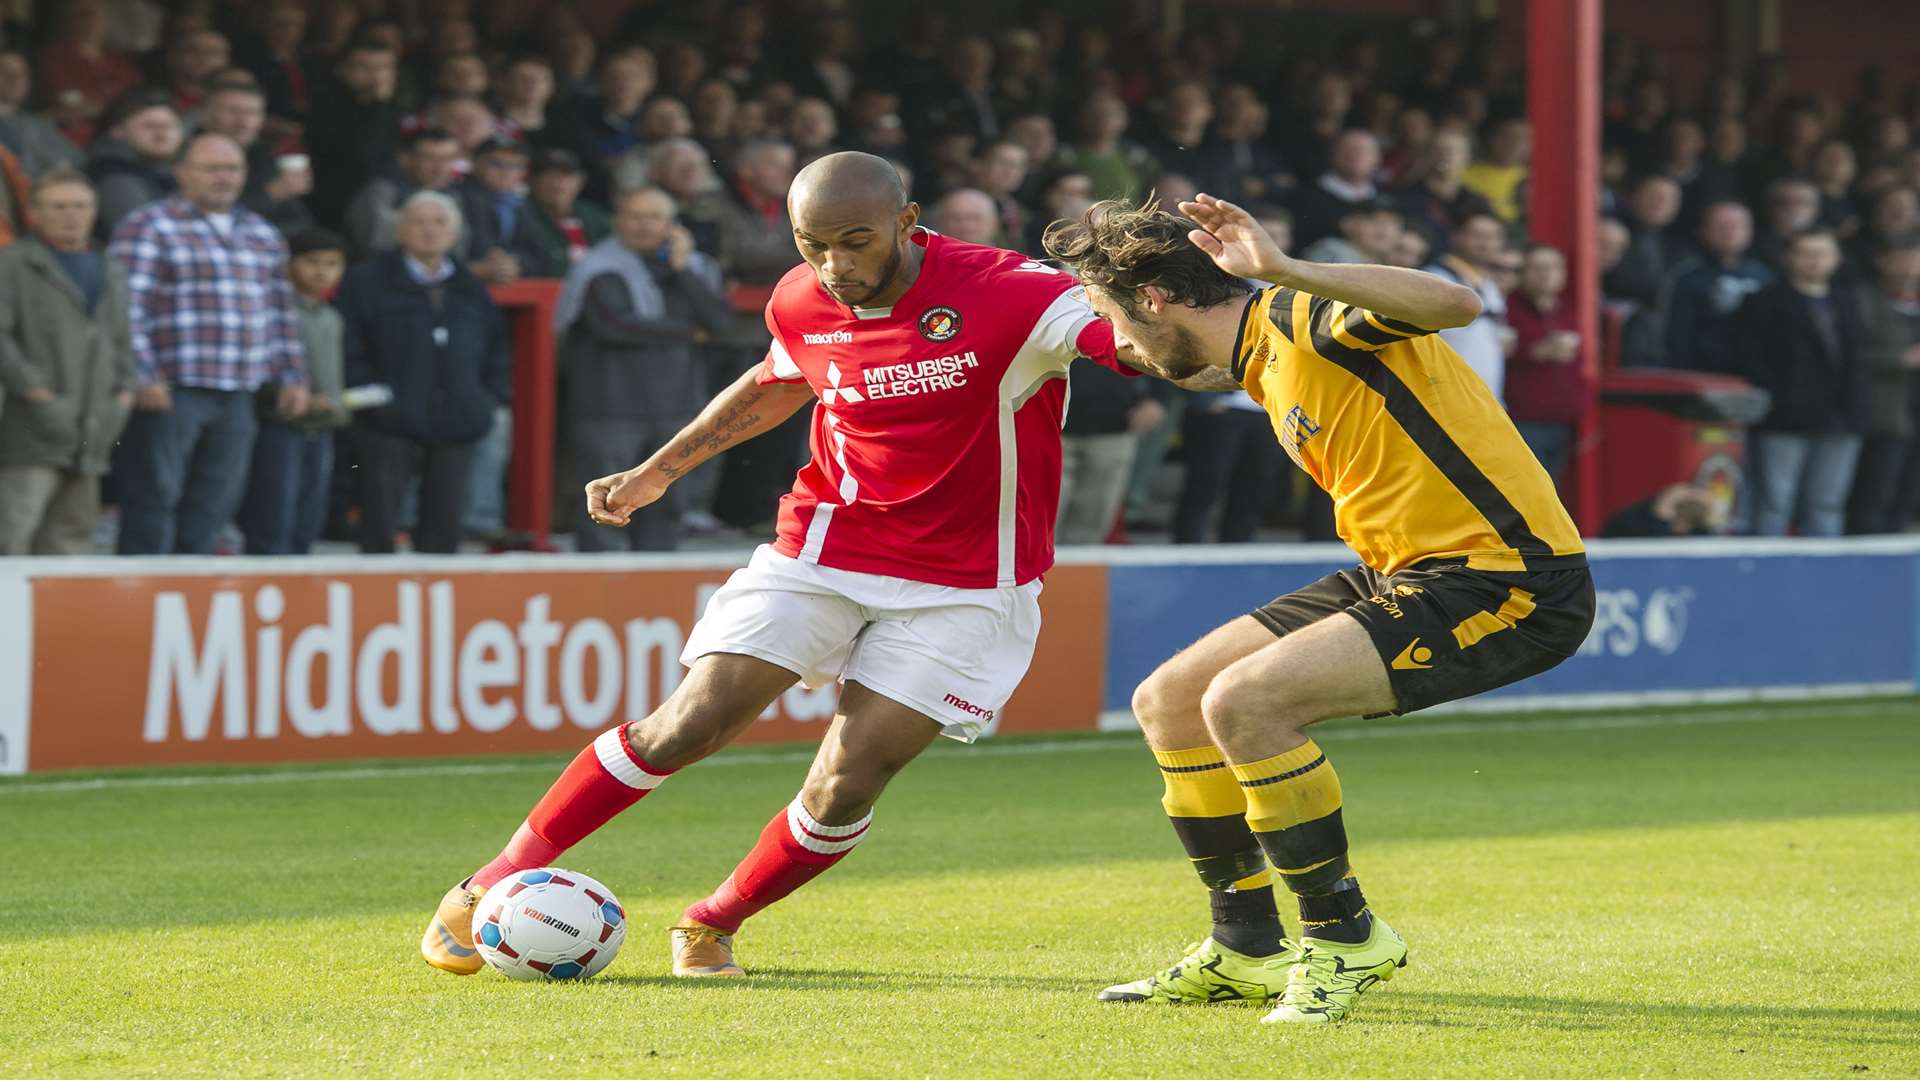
286,501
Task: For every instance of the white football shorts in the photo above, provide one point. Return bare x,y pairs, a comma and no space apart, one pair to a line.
954,654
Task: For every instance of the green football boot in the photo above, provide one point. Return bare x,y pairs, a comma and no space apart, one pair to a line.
1209,974
1327,976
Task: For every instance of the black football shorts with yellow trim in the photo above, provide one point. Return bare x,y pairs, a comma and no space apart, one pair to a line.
1448,632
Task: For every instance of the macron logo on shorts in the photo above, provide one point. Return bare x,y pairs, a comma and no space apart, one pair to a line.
970,708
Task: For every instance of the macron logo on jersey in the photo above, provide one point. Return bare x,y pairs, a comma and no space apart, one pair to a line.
838,337
1032,267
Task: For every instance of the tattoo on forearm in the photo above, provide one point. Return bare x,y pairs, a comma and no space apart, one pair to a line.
739,418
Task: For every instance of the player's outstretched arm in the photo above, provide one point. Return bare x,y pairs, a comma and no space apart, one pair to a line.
738,413
1240,246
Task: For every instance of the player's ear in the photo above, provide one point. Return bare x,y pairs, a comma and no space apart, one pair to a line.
909,216
1154,299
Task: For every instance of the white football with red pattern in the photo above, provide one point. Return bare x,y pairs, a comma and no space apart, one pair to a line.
548,923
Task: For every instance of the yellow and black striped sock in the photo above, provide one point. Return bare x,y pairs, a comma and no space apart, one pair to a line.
1209,815
1293,809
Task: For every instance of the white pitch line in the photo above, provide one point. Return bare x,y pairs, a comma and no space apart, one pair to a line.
1650,718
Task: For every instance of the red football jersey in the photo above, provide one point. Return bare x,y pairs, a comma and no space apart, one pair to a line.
936,443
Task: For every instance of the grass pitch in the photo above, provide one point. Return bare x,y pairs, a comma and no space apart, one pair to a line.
1689,893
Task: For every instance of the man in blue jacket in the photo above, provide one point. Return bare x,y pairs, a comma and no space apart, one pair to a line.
421,324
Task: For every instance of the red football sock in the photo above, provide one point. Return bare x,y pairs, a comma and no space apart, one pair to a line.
793,849
606,778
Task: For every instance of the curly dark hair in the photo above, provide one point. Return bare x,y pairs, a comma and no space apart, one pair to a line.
1120,248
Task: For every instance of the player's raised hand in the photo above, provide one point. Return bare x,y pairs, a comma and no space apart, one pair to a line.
611,500
1236,242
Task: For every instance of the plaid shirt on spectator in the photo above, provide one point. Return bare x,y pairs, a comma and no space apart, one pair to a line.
208,311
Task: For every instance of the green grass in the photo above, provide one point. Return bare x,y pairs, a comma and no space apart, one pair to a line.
1733,894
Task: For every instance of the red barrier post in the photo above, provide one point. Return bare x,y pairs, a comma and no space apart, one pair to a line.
1563,103
528,306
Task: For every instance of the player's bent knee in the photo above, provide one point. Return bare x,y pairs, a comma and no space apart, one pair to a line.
1221,706
1164,704
1235,707
676,738
842,798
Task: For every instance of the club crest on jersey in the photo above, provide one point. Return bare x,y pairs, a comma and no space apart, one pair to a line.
939,323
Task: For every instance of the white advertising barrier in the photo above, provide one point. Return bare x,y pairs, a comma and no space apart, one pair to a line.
16,665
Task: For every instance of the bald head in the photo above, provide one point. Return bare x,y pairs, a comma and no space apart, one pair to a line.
853,224
212,172
967,214
847,185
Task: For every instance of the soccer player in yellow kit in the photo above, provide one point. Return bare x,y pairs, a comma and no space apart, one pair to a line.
1472,575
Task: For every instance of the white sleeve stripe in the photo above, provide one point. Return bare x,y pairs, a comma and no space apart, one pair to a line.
783,365
1056,332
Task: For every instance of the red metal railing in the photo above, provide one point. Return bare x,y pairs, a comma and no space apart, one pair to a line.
528,306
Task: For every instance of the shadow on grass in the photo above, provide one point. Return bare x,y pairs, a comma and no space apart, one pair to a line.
1832,1025
775,977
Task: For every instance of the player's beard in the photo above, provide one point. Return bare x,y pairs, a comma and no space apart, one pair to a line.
1171,352
888,274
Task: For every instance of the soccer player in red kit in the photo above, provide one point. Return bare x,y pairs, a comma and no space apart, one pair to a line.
909,552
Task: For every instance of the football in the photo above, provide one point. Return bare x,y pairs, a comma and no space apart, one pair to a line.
548,924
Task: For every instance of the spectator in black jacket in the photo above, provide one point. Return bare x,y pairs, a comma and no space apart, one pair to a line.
1317,208
1438,202
1240,133
963,99
354,127
524,94
493,199
274,55
1109,414
276,184
418,322
1705,292
632,317
1890,346
1793,206
1180,143
132,164
1231,456
1651,253
426,163
1800,341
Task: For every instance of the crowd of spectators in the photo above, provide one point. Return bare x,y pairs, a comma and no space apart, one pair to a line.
250,245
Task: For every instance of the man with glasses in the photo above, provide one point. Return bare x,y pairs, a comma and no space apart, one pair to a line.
212,318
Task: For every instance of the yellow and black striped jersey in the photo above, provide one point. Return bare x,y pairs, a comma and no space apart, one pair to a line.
1421,460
